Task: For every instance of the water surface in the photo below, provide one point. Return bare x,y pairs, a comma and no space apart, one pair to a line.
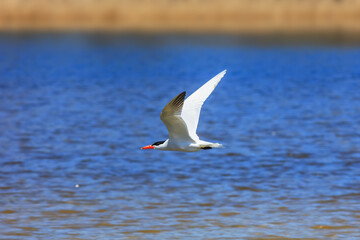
74,112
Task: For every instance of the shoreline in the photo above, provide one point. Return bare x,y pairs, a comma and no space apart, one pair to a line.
209,38
192,16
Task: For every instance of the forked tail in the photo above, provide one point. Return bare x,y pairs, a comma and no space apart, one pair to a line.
216,145
211,145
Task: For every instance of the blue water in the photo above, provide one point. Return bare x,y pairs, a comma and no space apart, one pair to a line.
75,110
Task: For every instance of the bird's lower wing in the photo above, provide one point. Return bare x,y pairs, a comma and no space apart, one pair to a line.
171,116
177,129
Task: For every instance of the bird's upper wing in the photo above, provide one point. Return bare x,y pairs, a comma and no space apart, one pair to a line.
192,105
171,116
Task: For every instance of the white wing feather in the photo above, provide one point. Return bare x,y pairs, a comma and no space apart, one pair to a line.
171,117
192,105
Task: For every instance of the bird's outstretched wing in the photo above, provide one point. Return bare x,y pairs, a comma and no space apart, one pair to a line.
192,105
171,116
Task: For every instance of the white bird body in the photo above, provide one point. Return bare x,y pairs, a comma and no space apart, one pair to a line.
181,118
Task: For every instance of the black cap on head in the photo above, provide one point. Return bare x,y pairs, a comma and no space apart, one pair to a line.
158,143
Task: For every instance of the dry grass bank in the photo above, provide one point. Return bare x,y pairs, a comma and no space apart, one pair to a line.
233,16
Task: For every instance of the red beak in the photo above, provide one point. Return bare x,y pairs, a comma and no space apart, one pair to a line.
148,147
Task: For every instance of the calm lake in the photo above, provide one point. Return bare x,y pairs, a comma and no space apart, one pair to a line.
75,110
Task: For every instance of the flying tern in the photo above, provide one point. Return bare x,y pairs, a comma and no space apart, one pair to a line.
181,118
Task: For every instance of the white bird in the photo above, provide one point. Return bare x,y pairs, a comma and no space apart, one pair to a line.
181,118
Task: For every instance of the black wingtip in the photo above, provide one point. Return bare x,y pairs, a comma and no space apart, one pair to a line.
175,105
182,94
179,99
